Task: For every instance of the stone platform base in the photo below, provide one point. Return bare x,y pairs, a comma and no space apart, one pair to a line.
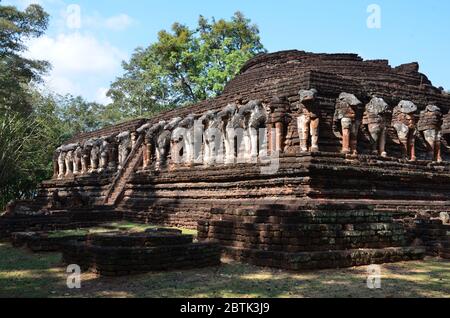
312,236
56,220
325,259
41,242
120,255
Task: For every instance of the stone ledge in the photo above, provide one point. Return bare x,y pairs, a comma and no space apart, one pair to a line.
326,259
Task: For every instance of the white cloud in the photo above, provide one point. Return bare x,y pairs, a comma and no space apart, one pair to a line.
101,97
79,61
76,53
82,63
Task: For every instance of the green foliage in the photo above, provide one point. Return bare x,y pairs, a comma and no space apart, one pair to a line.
17,72
185,65
20,156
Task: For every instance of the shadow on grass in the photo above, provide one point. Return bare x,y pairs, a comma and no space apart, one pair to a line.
23,274
244,281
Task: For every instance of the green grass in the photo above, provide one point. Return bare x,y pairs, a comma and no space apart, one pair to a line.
23,274
107,227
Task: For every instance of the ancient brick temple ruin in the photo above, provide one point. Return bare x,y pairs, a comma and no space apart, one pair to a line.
305,161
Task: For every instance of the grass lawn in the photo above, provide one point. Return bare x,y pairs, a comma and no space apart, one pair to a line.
23,274
107,227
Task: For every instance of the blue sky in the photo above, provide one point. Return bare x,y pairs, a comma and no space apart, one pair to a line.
86,54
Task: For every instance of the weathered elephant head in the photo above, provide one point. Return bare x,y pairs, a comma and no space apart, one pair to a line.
173,123
433,109
406,107
69,147
377,106
228,112
188,122
124,136
156,129
143,128
349,99
207,117
258,117
307,96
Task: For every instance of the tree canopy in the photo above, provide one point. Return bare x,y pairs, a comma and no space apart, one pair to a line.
185,65
16,71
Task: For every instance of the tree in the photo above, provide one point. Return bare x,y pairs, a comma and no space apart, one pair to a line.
17,72
184,65
16,156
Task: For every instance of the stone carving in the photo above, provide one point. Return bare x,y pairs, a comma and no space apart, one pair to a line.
404,123
69,163
124,148
177,141
151,144
346,121
211,137
61,163
94,145
230,122
276,124
77,155
429,126
163,143
254,119
85,157
143,130
108,153
56,155
134,137
103,162
112,150
186,128
308,121
375,123
68,151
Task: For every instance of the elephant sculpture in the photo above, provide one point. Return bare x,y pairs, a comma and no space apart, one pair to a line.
56,155
151,143
308,121
230,123
124,148
254,119
163,143
212,137
404,123
429,126
85,157
95,154
347,120
69,150
61,163
103,161
375,122
276,124
77,157
187,133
